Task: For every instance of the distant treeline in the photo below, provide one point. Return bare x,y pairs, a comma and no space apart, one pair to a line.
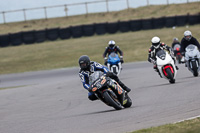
31,37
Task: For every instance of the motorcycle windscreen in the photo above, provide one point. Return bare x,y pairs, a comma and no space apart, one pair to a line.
161,54
191,52
190,47
94,76
113,59
177,47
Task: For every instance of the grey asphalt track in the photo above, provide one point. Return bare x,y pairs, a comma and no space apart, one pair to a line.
55,102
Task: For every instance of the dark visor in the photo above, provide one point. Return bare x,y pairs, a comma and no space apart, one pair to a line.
83,64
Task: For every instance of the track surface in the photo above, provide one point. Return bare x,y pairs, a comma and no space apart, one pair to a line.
55,102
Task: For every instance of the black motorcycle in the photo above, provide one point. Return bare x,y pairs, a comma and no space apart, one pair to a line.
109,91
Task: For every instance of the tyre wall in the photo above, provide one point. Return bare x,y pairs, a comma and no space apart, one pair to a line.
31,37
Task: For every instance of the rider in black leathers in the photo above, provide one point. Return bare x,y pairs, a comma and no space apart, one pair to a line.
112,48
187,40
175,41
87,67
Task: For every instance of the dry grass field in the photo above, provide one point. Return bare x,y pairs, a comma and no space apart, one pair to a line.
132,13
65,53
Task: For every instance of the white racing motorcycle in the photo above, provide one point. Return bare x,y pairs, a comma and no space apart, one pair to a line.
166,66
192,57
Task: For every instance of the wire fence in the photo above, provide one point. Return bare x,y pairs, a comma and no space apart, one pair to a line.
78,8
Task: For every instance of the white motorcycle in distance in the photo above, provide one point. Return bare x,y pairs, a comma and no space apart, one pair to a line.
192,57
114,64
166,66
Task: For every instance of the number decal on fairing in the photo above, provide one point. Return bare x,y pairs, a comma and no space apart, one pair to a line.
98,65
82,77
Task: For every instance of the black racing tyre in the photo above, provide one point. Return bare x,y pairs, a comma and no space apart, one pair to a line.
170,75
194,68
127,102
115,70
179,59
112,101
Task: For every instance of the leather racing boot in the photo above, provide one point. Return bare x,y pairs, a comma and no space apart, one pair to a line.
124,86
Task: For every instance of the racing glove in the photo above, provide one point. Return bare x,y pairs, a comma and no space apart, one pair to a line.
121,59
105,61
90,89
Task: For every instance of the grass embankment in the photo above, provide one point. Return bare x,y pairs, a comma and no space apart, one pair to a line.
65,53
189,126
133,13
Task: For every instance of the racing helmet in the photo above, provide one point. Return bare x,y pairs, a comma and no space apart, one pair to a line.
84,62
175,39
187,35
155,42
111,43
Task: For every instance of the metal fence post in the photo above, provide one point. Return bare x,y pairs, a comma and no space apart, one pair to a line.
107,6
86,8
4,18
167,2
24,10
45,11
147,2
127,1
66,10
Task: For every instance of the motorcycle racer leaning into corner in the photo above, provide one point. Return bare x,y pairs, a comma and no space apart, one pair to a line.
87,67
156,46
112,48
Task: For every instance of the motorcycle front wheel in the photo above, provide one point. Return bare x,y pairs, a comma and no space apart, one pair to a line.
194,68
127,102
112,101
170,76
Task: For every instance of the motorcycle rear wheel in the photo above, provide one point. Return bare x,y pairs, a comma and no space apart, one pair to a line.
112,101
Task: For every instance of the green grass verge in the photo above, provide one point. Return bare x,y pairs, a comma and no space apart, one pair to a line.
65,53
188,126
12,87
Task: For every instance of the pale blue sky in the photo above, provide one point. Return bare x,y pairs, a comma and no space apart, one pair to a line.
8,5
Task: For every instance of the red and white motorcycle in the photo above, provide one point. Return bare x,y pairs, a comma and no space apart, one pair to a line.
177,52
166,65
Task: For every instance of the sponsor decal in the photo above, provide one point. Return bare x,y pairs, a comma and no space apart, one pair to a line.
94,89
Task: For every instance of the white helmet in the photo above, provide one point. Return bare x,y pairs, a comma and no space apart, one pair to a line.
155,42
111,43
187,35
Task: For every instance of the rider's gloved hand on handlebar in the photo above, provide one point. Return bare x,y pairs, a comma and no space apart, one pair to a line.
121,59
111,75
90,89
183,53
105,61
171,52
153,61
